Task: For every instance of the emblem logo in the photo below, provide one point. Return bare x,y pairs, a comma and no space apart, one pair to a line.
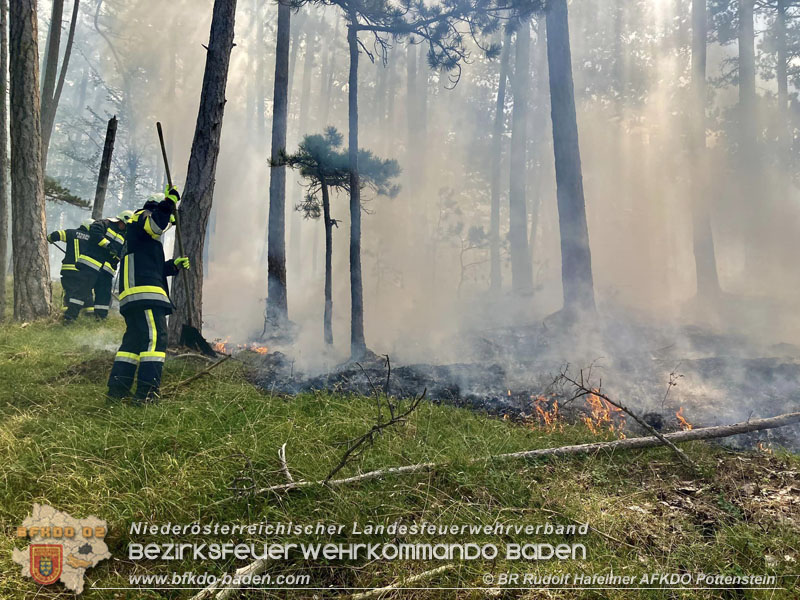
46,562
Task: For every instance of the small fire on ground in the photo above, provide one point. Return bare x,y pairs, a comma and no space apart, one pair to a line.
685,425
227,347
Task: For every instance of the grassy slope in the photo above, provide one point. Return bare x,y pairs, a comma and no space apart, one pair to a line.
60,444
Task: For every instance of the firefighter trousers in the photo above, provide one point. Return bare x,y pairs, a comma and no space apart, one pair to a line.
144,346
75,296
102,294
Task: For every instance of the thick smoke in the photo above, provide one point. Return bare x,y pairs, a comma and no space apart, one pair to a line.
425,254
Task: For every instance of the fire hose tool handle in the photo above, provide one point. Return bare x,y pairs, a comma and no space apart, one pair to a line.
178,236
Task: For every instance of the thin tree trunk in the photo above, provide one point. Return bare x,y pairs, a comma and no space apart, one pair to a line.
521,269
358,345
331,70
783,81
198,195
32,292
3,154
576,258
296,233
52,51
105,169
498,132
326,215
704,255
51,92
747,78
412,119
277,305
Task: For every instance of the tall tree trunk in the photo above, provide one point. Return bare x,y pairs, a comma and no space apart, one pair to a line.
747,80
330,70
521,269
200,174
576,257
704,255
51,92
3,154
326,215
277,305
412,119
358,345
781,74
32,292
105,169
496,274
303,126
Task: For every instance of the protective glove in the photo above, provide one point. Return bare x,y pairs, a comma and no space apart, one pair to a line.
171,193
182,262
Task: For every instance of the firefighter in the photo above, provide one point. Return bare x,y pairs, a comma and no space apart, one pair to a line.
113,241
144,301
75,297
90,262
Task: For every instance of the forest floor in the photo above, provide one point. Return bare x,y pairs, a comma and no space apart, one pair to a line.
176,461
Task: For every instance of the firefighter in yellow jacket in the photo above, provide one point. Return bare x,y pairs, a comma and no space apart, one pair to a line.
144,302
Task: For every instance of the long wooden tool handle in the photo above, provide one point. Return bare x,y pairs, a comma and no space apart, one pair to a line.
178,236
164,152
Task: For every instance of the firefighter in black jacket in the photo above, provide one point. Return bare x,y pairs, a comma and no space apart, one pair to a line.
144,301
90,262
113,241
75,297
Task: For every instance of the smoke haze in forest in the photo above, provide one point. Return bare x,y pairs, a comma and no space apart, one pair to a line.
426,256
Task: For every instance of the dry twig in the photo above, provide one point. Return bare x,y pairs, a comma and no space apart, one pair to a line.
583,389
402,583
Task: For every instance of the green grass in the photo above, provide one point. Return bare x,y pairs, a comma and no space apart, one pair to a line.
175,462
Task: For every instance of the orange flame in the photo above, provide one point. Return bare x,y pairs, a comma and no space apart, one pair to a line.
547,417
685,425
603,415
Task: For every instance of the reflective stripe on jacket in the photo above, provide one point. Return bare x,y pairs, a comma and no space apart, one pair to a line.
76,241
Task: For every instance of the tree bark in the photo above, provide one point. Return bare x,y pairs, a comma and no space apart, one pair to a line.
576,258
747,79
781,73
496,275
303,126
105,169
358,345
32,291
51,92
3,154
277,305
521,269
326,215
199,192
703,239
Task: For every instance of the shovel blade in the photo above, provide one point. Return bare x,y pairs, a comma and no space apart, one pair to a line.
192,338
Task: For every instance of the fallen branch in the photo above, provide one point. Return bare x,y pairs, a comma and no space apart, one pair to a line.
403,583
284,465
198,375
191,355
367,438
703,433
583,390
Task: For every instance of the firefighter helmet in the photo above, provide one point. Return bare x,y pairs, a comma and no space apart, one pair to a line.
125,216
